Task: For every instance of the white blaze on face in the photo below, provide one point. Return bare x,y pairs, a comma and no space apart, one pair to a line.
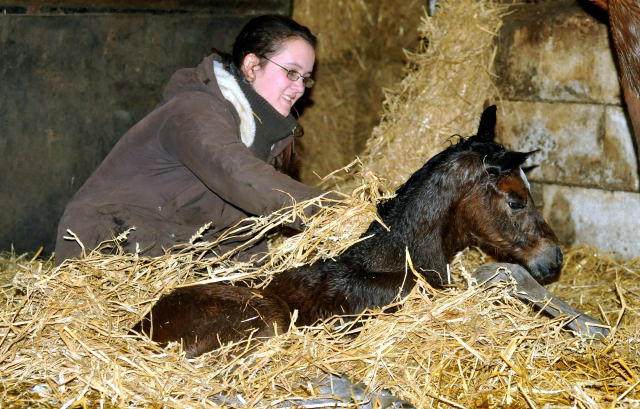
524,179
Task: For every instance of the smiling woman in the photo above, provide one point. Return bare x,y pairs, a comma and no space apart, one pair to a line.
284,81
216,150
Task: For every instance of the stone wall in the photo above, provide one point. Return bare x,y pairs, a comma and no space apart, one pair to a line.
559,84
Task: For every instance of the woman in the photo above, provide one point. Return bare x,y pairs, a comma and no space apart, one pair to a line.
212,151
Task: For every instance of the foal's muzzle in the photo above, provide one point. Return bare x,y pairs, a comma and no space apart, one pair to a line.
546,264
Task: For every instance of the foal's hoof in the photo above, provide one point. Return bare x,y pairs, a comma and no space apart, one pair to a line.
431,7
345,391
529,290
589,327
335,391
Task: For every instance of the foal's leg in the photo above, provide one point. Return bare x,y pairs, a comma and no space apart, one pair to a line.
343,388
528,289
334,391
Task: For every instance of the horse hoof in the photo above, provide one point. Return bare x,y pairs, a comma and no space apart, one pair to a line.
398,404
590,328
529,290
336,391
346,391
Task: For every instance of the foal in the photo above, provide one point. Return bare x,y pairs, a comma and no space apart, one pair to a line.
472,193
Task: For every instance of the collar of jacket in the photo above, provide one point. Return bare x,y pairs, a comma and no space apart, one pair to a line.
268,124
232,93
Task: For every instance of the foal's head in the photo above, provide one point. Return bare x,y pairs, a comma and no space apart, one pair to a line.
472,193
497,212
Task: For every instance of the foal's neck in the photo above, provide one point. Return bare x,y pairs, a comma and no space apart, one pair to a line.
373,272
419,219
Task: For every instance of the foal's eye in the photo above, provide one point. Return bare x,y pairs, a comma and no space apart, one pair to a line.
516,205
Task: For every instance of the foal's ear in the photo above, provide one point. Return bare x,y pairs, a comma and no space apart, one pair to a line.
486,129
513,160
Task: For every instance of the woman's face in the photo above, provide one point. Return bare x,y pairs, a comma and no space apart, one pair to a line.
271,82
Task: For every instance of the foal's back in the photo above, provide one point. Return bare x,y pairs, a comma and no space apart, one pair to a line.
204,317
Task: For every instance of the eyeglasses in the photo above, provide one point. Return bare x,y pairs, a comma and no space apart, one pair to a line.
294,75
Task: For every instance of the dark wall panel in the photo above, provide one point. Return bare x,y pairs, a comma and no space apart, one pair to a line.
71,85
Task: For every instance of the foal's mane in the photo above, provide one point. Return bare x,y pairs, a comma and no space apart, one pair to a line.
464,161
473,162
416,217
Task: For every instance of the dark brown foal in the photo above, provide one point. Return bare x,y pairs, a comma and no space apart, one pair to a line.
472,193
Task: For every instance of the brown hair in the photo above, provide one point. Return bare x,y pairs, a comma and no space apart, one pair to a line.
263,36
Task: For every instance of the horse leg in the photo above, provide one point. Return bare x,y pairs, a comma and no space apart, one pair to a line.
204,317
632,101
345,390
334,391
529,290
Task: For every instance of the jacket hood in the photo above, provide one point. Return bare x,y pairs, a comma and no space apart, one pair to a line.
211,77
190,79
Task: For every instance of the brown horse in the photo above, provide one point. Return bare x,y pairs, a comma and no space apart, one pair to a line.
472,193
624,25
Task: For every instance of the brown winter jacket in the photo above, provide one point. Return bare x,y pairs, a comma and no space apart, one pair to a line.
185,164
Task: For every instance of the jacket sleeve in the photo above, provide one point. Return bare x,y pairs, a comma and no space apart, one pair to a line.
202,135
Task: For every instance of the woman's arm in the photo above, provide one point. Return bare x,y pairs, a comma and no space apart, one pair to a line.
202,134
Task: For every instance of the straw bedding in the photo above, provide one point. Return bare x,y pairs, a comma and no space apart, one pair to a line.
65,340
64,332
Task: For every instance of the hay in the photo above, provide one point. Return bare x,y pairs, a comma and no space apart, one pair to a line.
360,51
447,85
64,331
64,338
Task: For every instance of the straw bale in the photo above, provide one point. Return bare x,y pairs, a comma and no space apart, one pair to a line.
448,83
360,50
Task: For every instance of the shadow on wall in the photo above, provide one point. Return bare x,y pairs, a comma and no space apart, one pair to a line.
560,219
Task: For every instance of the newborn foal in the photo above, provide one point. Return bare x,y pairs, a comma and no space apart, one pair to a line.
472,193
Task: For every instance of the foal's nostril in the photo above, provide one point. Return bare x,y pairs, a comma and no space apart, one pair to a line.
547,264
559,258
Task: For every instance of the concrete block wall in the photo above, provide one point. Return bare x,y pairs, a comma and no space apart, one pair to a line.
560,94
